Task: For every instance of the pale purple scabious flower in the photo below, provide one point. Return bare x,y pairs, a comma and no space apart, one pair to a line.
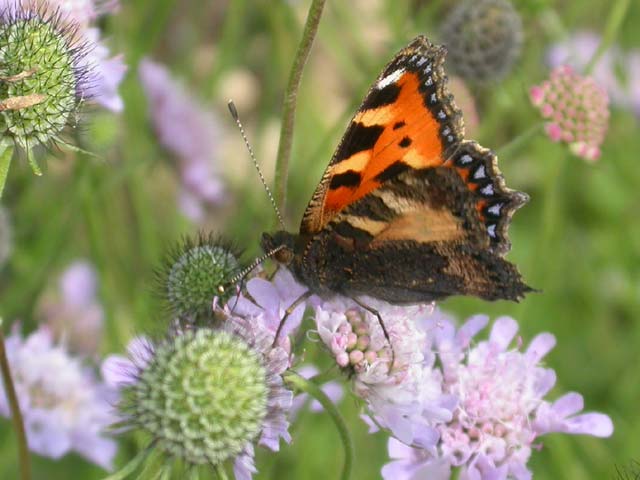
405,396
74,313
267,302
190,133
501,409
576,109
65,407
127,372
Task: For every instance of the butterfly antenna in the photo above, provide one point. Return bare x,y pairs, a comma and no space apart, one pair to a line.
246,271
236,117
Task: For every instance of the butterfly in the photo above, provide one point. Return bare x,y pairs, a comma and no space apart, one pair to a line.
408,210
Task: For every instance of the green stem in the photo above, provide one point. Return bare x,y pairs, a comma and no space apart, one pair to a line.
323,377
309,387
514,144
617,15
289,104
132,466
221,472
14,407
6,154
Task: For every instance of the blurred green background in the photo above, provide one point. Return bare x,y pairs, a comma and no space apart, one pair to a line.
578,240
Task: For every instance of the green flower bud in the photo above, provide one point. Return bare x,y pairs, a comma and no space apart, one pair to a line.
483,39
41,80
193,274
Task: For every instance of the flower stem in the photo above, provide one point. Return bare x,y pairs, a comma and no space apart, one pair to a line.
617,15
14,406
304,385
323,377
289,104
515,143
132,466
6,154
220,471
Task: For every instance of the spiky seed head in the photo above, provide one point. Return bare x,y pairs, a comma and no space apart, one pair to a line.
41,81
202,396
193,274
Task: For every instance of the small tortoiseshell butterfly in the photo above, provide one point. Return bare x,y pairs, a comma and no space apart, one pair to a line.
408,211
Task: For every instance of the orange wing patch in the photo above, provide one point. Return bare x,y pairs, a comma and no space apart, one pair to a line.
404,134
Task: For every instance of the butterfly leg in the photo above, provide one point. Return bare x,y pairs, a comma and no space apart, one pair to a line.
381,322
288,312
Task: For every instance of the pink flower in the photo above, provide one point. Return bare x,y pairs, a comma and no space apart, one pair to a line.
501,409
576,109
404,396
65,407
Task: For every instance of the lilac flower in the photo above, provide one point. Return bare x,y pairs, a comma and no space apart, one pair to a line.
270,302
65,407
74,313
404,396
501,409
237,359
576,109
190,133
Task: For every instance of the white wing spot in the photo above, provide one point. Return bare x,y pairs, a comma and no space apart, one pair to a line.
495,209
492,230
487,190
466,158
421,62
389,79
479,173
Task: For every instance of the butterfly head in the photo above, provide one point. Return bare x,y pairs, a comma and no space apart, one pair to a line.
282,244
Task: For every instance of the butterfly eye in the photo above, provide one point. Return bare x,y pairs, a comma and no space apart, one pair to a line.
284,256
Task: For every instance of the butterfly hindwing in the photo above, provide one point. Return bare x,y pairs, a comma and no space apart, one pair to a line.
419,237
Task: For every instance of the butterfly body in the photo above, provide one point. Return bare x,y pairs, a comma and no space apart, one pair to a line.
408,211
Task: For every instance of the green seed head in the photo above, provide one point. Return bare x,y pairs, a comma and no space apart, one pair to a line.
202,396
39,77
193,275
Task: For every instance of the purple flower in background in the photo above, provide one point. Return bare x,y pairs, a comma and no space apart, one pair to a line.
405,396
65,407
188,132
576,109
501,409
74,313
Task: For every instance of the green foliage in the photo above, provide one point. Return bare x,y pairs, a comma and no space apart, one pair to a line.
578,240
